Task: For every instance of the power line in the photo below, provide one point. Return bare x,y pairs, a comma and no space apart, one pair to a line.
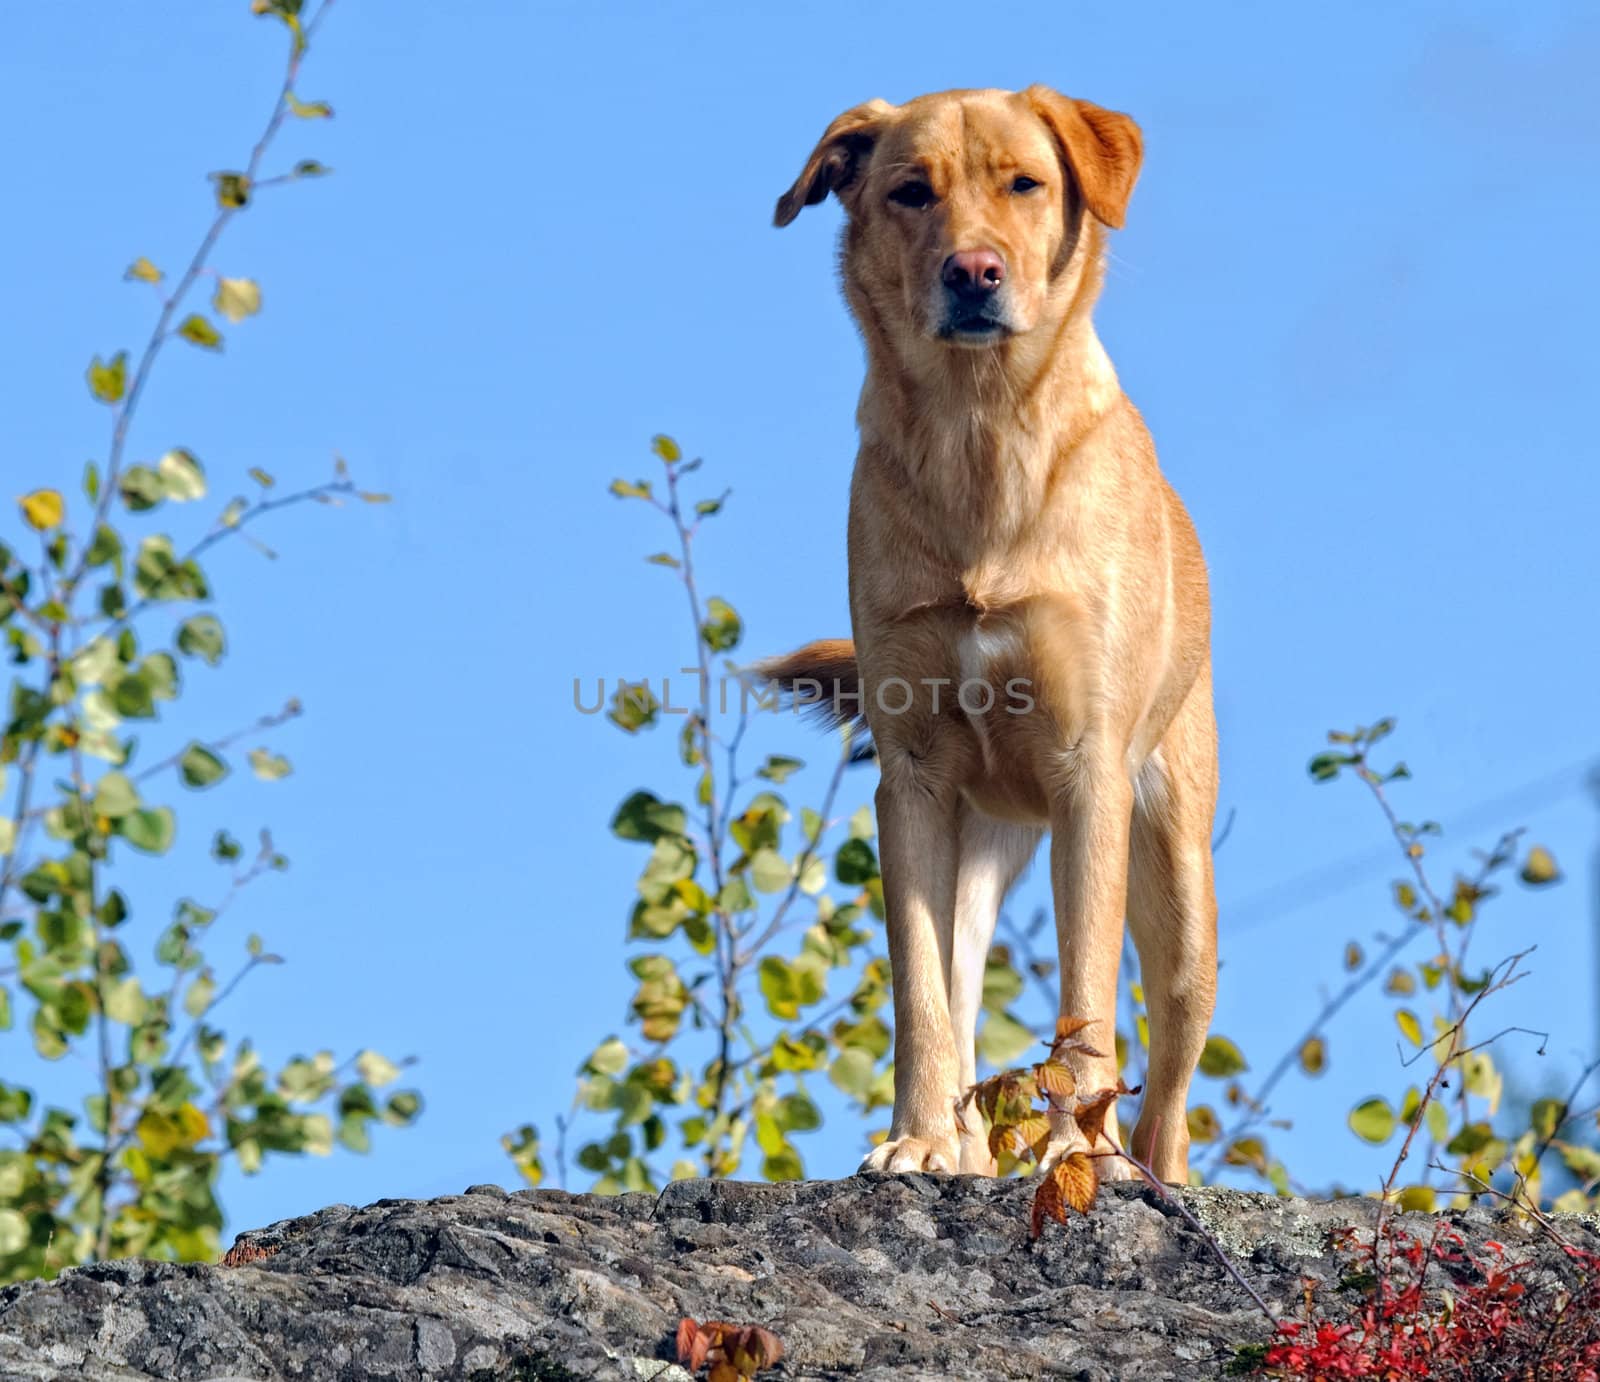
1331,879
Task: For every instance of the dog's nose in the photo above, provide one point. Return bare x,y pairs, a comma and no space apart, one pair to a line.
974,273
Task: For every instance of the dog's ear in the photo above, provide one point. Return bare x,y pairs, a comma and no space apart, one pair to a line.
836,160
1102,147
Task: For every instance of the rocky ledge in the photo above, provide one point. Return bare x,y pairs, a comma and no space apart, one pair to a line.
870,1278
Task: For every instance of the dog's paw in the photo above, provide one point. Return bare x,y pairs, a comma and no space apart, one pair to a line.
913,1154
976,1158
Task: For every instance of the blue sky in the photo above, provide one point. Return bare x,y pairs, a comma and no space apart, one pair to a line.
1353,300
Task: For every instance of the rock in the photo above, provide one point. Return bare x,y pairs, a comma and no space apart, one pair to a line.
872,1278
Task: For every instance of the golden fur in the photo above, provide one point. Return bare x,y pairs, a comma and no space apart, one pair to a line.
1009,523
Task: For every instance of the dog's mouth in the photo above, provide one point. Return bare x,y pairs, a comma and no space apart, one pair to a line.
974,328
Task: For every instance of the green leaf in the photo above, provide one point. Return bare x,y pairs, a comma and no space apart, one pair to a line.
1221,1058
125,1002
634,707
310,168
200,767
770,872
852,1071
855,863
723,627
1546,1117
1325,766
666,448
269,767
376,1070
150,831
108,381
141,488
14,1233
1003,1039
200,993
644,816
1373,1121
778,767
198,331
1438,1120
115,796
202,637
237,298
181,476
639,489
783,1164
610,1057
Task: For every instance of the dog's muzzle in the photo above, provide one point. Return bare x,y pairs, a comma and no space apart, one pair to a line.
974,297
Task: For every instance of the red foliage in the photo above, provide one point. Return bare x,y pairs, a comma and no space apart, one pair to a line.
1436,1310
731,1352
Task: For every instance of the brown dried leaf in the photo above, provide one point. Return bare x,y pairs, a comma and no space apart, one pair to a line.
1069,1027
1055,1080
1047,1205
1091,1114
1076,1179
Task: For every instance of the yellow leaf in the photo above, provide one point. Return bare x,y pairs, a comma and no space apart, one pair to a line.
1407,1021
308,110
198,331
44,508
143,270
1314,1055
1032,1131
373,497
237,298
1204,1126
108,379
1417,1197
1540,867
1076,1179
193,1124
666,448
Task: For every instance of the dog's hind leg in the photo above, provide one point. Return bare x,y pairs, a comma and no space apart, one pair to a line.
993,853
1172,912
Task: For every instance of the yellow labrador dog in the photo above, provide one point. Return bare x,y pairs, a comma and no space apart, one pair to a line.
1028,600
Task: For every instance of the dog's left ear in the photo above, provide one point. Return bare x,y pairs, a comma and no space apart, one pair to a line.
1102,147
836,160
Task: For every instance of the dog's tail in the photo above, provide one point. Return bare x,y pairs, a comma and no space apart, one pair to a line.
823,681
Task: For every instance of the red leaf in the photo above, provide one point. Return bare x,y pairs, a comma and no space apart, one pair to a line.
692,1345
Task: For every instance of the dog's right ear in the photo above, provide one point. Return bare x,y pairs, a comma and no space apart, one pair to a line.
836,160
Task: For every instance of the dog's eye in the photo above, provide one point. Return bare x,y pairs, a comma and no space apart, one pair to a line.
1024,184
916,195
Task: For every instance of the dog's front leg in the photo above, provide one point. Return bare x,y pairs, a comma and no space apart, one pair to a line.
917,828
1090,820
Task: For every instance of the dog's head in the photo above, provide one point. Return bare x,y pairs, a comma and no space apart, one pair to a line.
966,208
